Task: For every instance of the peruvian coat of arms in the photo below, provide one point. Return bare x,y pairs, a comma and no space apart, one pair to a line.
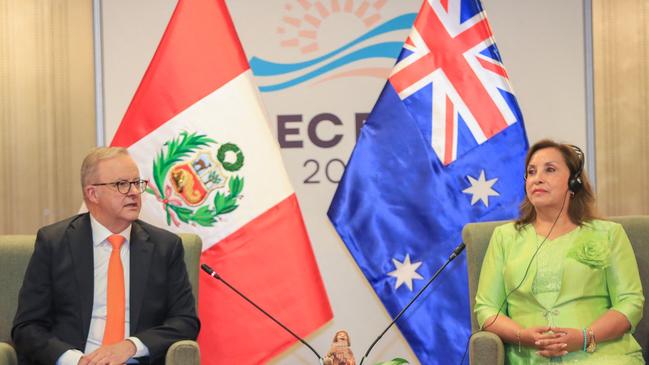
195,178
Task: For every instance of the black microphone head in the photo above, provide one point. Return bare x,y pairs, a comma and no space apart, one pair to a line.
207,269
457,251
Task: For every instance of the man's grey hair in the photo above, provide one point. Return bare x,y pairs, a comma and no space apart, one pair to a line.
92,159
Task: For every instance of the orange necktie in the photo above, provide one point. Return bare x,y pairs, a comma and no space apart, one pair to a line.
115,300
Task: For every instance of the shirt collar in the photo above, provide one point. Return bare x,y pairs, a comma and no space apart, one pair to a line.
101,233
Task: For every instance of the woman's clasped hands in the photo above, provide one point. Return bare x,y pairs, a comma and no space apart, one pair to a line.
552,341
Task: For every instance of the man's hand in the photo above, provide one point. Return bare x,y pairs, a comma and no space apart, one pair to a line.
115,354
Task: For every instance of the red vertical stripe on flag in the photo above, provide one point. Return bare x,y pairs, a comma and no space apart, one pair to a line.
201,41
449,128
270,261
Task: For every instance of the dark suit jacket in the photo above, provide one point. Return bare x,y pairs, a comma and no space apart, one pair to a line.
55,301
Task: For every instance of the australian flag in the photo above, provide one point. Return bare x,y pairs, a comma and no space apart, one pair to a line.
444,146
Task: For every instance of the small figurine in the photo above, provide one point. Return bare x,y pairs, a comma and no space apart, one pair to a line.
340,352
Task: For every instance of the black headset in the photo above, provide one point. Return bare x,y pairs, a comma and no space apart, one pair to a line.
575,183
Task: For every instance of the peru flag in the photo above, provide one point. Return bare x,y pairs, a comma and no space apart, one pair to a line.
198,131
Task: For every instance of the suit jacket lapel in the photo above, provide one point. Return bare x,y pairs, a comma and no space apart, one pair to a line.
141,251
79,238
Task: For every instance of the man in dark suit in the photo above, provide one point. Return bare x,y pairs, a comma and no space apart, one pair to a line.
86,299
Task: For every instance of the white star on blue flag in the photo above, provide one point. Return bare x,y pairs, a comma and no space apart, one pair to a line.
405,272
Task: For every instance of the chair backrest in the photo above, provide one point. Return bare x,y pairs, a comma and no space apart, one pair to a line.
476,237
193,247
16,250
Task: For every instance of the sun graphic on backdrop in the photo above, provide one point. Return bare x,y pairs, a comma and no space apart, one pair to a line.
303,19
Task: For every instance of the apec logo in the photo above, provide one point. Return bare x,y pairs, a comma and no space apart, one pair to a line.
309,30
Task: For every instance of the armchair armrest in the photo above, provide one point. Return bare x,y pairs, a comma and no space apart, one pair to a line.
184,352
486,348
180,353
7,354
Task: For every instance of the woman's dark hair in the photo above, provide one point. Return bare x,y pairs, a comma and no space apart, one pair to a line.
582,207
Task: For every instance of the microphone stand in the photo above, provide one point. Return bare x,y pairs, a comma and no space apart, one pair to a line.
213,274
455,253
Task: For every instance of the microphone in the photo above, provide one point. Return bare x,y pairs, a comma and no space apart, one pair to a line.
216,276
453,255
458,250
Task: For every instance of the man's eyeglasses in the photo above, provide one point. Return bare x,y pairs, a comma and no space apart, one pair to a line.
124,186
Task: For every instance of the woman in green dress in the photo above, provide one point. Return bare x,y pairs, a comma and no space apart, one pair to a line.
559,285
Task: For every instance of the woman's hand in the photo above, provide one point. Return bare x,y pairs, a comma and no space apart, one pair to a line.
543,339
529,336
573,337
559,342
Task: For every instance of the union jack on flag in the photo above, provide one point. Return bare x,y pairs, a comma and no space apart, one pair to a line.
451,69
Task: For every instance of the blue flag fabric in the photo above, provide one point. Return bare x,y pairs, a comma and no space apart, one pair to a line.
433,155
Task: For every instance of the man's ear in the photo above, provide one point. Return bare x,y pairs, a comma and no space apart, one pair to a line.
90,193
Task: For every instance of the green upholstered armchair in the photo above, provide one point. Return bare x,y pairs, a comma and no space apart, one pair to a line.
15,251
486,348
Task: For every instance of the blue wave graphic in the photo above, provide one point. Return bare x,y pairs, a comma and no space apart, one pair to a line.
262,67
385,50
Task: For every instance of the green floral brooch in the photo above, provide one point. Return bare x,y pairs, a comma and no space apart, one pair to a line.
591,252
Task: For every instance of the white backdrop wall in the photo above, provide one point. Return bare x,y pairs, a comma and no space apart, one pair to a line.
543,50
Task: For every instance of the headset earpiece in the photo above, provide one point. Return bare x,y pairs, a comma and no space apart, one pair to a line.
575,183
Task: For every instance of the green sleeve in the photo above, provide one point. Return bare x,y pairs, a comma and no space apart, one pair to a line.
491,286
623,279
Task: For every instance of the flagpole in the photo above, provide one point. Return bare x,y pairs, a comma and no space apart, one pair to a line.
99,67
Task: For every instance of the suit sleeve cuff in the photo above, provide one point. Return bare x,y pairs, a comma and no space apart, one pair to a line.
140,349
